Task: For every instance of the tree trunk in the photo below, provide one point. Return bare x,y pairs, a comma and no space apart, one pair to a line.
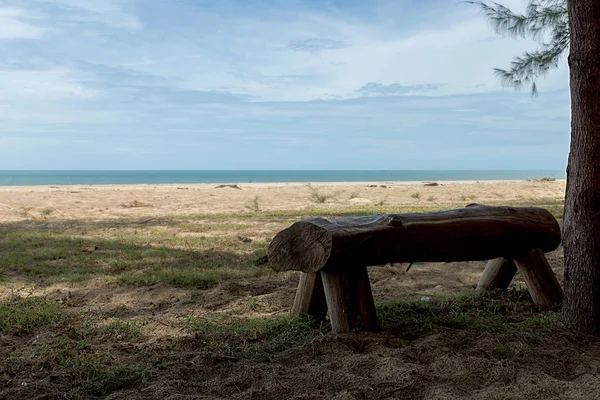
582,204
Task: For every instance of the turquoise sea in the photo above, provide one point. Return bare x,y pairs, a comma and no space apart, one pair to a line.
26,178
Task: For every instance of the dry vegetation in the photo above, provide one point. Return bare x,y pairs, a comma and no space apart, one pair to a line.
175,305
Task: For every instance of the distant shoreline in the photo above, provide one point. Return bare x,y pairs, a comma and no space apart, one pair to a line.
255,185
166,177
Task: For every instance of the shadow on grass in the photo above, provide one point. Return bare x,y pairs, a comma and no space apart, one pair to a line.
31,256
236,352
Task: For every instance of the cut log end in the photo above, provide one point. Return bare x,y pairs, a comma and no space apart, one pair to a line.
304,246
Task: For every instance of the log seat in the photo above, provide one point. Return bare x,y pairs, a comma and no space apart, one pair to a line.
333,255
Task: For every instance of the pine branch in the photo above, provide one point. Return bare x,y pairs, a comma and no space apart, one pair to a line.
543,19
502,19
532,65
540,17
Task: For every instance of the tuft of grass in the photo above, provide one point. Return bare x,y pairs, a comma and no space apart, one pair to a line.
254,205
90,369
24,211
430,198
46,211
24,315
134,204
353,195
381,202
125,331
255,338
318,196
416,195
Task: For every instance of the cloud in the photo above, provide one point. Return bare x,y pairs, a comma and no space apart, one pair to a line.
14,24
394,89
90,15
297,81
316,45
42,85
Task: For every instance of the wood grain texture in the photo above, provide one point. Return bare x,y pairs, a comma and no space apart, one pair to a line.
467,234
498,274
541,282
349,300
310,297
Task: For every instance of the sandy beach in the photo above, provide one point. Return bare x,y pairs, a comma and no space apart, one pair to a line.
118,201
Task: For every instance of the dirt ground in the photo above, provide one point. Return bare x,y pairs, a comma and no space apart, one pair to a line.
401,362
518,356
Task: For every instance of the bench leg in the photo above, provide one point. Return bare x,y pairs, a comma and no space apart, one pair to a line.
310,297
539,278
349,299
498,274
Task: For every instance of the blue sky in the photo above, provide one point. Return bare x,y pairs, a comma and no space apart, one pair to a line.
268,84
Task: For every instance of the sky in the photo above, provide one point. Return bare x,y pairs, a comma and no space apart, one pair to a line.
268,84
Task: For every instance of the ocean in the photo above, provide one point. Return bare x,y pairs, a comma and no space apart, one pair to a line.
26,178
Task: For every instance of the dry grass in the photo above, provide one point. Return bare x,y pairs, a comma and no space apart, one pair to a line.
135,204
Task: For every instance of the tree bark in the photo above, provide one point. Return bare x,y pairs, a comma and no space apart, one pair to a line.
468,234
582,204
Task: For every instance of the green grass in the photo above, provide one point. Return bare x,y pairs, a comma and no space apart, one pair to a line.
503,312
142,257
256,338
25,315
125,330
71,346
196,251
92,350
90,368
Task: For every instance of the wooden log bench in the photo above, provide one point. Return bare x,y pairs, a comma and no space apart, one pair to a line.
333,255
